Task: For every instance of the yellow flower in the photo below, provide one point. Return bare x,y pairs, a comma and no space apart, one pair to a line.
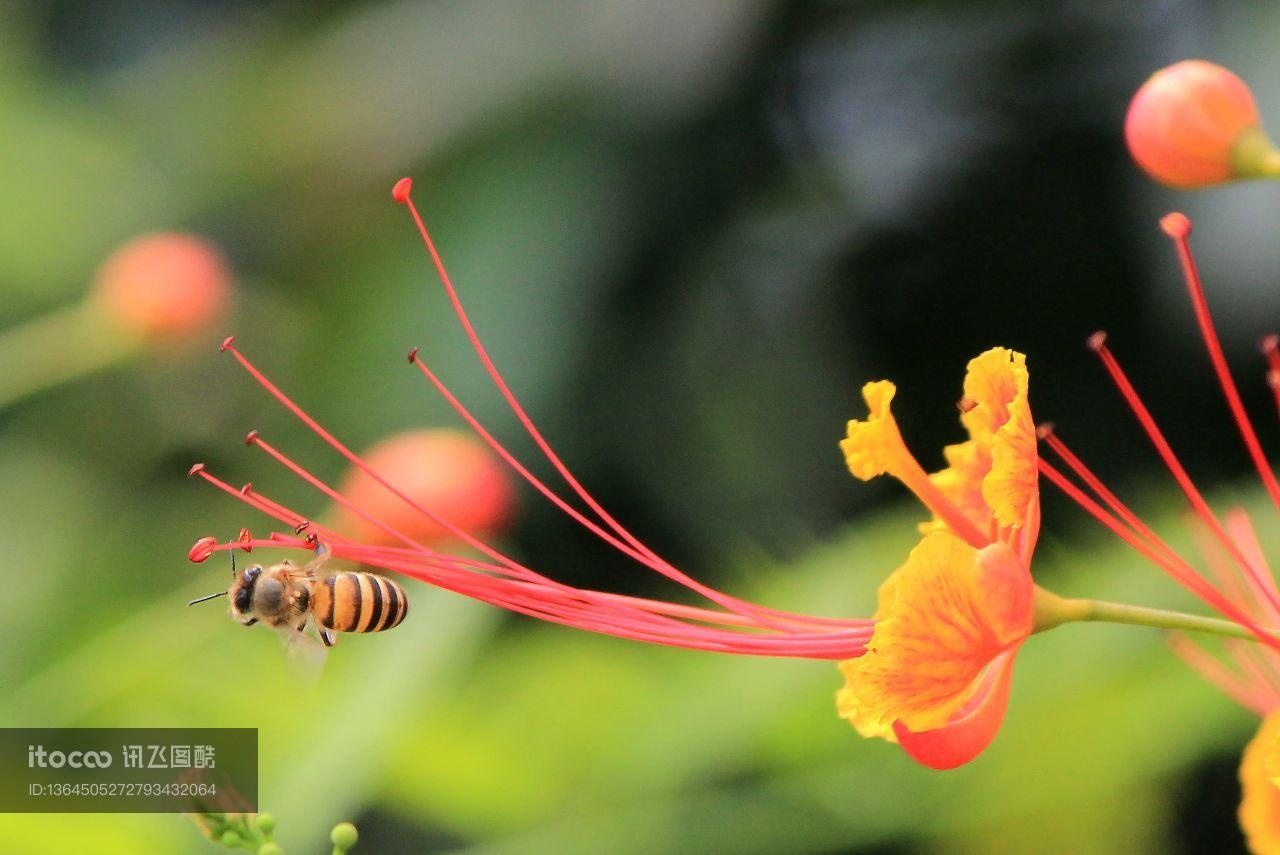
1259,772
935,677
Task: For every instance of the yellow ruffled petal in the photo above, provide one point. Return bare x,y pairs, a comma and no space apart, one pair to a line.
998,417
944,616
1013,482
993,381
1260,805
873,445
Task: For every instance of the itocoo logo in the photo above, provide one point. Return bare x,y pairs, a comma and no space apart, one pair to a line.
38,757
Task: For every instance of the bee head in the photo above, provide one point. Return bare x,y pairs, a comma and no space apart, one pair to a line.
268,595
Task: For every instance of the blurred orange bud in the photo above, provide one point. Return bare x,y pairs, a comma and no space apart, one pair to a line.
1195,124
450,473
164,286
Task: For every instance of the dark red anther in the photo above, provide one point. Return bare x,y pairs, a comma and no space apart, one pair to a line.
247,488
226,344
302,526
1269,343
311,540
1044,429
1176,225
1096,341
202,549
400,192
413,355
196,469
251,437
245,537
964,405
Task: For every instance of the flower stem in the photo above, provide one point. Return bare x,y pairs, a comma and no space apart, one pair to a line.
1053,610
1255,156
62,345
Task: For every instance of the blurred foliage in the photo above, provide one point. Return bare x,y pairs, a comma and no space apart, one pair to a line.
688,233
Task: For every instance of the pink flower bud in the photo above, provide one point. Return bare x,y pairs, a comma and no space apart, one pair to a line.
449,473
1195,124
164,286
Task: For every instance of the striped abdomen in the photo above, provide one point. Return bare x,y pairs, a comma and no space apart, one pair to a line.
358,602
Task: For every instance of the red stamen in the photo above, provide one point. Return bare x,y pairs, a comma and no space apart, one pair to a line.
400,192
1047,434
1097,343
1178,227
922,486
1176,567
1250,568
743,628
607,613
621,616
524,574
647,558
512,402
202,549
720,599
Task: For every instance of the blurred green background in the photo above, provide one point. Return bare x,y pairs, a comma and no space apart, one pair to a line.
688,232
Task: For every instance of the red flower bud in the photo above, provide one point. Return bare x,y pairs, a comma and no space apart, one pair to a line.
1195,124
164,286
449,473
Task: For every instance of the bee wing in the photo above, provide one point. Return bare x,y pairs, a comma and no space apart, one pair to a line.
305,654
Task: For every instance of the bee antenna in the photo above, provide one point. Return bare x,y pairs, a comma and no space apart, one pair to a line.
206,599
232,553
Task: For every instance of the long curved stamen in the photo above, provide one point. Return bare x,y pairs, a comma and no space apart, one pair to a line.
647,559
530,593
1178,227
402,193
623,616
723,600
620,616
1098,344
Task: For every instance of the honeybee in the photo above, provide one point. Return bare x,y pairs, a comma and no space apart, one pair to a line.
285,596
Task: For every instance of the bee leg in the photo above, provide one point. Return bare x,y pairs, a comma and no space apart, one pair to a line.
313,567
326,636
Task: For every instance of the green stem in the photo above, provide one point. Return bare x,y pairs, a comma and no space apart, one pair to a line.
1052,610
1255,156
65,344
